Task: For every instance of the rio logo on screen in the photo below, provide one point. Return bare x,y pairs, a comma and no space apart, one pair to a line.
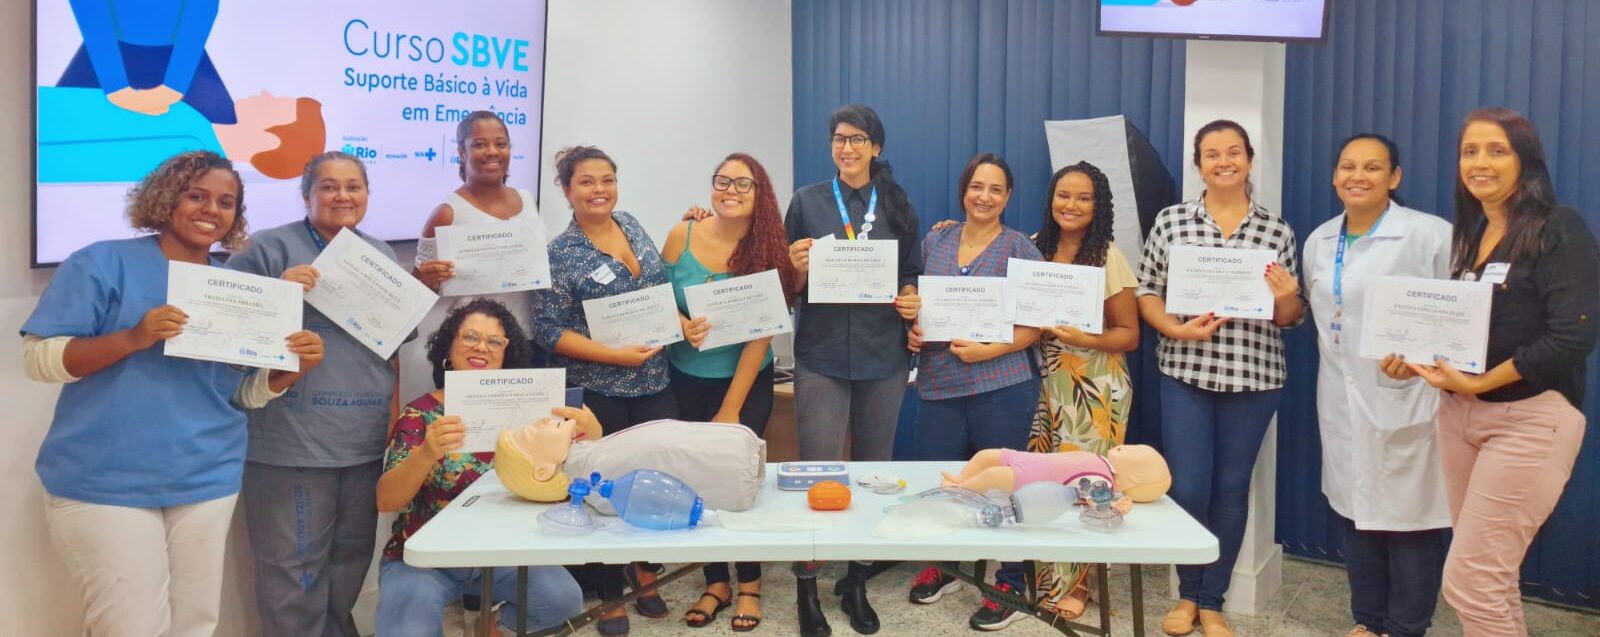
475,50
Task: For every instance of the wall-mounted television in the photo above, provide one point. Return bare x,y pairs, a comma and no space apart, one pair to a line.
1253,20
121,85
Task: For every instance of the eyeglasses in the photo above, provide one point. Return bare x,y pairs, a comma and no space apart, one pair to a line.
854,141
494,343
742,184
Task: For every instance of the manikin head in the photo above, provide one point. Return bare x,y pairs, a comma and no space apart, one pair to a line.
529,459
1142,473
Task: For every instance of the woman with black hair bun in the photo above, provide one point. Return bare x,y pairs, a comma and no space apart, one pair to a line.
1377,431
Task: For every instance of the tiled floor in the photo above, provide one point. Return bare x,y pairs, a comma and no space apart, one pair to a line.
1314,601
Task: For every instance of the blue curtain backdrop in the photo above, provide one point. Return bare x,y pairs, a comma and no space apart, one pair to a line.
951,78
1412,70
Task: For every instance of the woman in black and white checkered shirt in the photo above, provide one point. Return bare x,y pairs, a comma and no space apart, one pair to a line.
1220,377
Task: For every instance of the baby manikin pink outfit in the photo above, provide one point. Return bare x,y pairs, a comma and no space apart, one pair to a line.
1064,468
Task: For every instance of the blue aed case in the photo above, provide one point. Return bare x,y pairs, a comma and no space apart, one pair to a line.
799,476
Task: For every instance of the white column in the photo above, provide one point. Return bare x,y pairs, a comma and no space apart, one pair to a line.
1243,81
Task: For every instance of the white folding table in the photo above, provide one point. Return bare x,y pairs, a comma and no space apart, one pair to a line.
487,526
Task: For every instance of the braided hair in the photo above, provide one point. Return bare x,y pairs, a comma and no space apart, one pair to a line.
1097,238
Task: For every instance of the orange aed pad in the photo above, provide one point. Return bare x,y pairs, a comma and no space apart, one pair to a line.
828,495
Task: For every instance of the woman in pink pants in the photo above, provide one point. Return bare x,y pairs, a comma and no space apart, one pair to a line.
1508,437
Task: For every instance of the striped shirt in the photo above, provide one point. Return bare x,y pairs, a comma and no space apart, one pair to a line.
1244,355
940,374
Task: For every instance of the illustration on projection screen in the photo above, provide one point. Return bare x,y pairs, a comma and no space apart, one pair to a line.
142,88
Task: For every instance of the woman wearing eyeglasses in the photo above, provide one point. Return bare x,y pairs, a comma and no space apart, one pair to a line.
851,361
423,473
602,253
731,383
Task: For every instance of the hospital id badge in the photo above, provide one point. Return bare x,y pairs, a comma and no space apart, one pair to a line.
1336,329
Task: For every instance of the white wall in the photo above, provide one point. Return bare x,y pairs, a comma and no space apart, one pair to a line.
667,88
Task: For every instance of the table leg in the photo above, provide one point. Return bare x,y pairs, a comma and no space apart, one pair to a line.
522,600
1103,576
1018,603
486,603
1136,582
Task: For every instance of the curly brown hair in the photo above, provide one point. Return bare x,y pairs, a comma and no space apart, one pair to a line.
766,245
519,350
151,202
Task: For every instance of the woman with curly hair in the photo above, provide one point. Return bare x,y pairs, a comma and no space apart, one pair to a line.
731,383
1087,394
421,475
143,459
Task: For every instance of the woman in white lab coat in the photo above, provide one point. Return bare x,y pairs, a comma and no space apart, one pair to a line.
1380,466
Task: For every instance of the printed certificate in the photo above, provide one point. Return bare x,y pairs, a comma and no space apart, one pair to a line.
1229,281
741,308
853,271
1049,294
234,317
969,308
647,317
1428,319
509,256
489,401
371,297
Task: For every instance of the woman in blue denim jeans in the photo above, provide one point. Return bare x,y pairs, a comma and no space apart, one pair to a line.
1220,378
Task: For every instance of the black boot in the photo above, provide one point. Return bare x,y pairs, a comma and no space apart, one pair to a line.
812,622
853,601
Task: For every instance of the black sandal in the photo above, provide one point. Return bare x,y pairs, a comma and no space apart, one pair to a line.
755,620
705,619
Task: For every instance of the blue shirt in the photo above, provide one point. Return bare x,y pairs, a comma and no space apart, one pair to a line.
147,431
574,260
337,414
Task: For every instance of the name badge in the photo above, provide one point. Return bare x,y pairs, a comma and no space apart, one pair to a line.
1496,272
603,275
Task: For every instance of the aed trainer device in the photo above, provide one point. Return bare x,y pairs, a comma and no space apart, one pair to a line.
799,476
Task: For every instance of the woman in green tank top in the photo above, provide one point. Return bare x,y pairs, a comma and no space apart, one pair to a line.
731,383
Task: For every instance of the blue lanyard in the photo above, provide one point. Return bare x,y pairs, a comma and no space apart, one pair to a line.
844,213
316,238
1338,262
